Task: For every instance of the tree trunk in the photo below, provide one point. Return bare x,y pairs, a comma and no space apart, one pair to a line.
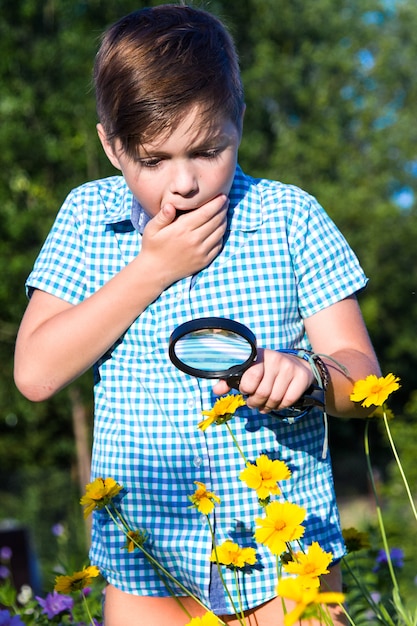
82,443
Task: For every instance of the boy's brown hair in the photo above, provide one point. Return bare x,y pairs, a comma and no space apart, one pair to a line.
155,64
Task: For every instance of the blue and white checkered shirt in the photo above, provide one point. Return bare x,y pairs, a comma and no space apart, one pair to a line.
283,260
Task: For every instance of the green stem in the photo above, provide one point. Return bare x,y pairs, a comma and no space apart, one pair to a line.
368,597
122,525
239,595
279,569
400,467
87,608
236,443
122,520
126,526
219,569
378,508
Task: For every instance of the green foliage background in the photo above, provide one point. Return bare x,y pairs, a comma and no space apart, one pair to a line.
331,92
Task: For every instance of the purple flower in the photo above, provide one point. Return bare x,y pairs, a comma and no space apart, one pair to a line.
58,530
55,603
4,572
397,558
5,554
6,619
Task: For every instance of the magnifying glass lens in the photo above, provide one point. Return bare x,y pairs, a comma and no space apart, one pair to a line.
212,350
212,347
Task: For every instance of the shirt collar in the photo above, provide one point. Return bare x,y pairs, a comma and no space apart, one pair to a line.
245,212
117,202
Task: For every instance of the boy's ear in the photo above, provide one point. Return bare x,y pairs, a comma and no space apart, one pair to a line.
107,147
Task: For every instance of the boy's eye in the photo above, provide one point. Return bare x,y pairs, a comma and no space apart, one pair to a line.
150,162
209,154
153,162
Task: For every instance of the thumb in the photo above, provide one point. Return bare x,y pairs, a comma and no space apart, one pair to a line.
220,388
165,216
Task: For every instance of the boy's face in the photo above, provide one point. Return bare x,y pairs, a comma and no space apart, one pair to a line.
186,168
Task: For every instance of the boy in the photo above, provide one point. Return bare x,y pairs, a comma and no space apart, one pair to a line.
186,234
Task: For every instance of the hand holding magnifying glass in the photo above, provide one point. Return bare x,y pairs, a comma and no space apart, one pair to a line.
215,347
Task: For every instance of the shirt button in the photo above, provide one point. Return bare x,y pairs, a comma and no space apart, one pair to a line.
191,403
198,461
179,295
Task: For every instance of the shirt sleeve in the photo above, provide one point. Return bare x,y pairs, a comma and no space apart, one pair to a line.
326,267
60,267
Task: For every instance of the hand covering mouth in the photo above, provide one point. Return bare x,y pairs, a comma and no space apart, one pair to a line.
182,211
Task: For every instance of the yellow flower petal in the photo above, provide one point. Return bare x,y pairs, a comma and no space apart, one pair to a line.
98,494
264,475
331,597
374,391
77,581
281,525
305,599
222,411
135,539
232,555
204,424
202,499
310,565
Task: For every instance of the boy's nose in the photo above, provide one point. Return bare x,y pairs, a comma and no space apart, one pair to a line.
184,181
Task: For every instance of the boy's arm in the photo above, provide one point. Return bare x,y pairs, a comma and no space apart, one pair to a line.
278,380
58,341
340,332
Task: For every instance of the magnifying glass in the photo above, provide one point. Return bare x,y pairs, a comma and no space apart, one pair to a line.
213,347
217,347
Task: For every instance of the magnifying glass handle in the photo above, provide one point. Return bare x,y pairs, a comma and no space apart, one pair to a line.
233,381
313,396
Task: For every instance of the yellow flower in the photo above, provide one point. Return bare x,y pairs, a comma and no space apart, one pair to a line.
209,619
203,500
264,476
222,411
374,390
307,601
134,539
98,494
355,540
308,567
230,554
280,526
78,580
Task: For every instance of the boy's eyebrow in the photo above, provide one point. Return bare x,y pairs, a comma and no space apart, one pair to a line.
206,143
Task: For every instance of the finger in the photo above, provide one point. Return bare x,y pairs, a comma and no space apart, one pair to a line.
275,381
207,215
164,217
221,388
251,379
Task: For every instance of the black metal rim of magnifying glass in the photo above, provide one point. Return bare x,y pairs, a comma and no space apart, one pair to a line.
202,323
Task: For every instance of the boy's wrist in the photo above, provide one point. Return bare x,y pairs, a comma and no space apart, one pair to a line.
318,366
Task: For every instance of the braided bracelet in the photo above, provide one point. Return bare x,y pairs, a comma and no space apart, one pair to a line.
321,374
318,366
